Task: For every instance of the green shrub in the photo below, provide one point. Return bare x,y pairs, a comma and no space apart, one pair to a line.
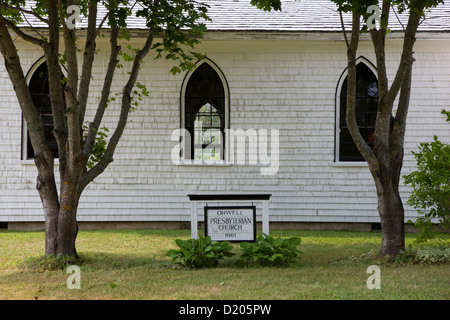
268,251
425,255
200,252
433,255
431,185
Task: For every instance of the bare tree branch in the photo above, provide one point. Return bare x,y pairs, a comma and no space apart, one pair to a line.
123,118
101,24
343,29
397,136
381,134
32,27
71,90
350,116
23,35
398,18
25,11
88,59
55,86
383,83
103,103
408,44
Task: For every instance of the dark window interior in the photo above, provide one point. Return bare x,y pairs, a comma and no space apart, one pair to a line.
205,113
39,90
366,113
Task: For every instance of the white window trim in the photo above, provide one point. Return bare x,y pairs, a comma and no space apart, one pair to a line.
191,162
362,164
24,159
338,163
30,162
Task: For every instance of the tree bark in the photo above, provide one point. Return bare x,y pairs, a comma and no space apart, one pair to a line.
390,208
51,50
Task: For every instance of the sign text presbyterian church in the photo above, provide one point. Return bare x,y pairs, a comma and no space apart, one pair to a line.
231,223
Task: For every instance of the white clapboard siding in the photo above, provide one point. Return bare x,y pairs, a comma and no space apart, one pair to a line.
288,85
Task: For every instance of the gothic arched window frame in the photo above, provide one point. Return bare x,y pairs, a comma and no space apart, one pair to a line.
189,114
35,72
340,132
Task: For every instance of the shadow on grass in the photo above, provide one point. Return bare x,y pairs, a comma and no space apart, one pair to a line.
321,248
142,232
93,261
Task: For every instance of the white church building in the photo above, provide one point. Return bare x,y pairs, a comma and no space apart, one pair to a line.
276,79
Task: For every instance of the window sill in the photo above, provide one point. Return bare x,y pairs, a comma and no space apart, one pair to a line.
350,164
203,164
30,162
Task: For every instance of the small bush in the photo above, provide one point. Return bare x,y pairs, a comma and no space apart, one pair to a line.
268,251
200,252
431,186
425,255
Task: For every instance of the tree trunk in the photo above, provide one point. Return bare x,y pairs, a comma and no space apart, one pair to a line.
61,229
46,187
60,214
67,220
391,211
67,232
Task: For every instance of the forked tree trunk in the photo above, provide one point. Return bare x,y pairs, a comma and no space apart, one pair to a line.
62,226
60,219
60,232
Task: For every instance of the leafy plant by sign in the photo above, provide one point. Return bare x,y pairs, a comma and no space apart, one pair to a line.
269,251
200,252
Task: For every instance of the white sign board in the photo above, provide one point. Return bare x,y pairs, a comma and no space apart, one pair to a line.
234,224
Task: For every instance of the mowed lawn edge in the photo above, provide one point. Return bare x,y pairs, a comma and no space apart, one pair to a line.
132,265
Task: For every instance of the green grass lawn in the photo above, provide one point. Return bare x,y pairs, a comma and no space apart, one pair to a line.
131,264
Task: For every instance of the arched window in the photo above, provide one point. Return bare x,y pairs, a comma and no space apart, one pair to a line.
365,108
39,90
205,113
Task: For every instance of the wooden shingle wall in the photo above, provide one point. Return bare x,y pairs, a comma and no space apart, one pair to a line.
289,85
